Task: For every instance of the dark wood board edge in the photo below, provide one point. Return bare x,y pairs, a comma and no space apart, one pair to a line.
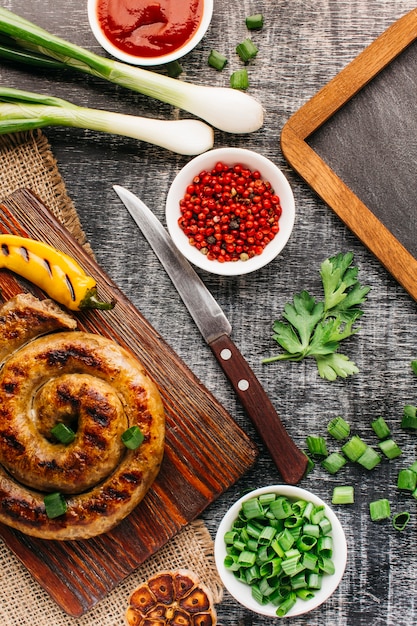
322,179
228,452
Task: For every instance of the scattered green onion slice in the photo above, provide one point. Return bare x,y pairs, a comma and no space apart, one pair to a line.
292,552
407,480
239,79
63,433
317,446
414,366
343,494
369,459
132,437
217,60
390,448
400,520
338,428
354,448
379,509
334,462
409,419
55,505
247,50
174,69
254,22
380,428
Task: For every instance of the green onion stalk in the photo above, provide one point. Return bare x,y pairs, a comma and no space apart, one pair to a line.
23,110
227,109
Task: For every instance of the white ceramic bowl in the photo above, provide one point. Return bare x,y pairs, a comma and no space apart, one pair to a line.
242,592
148,61
231,156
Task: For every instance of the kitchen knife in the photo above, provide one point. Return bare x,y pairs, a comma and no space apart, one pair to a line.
216,329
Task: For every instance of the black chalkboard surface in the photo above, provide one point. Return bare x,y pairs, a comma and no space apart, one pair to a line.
355,144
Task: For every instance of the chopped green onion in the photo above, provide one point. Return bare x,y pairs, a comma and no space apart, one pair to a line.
414,366
254,22
247,50
281,561
343,495
409,419
63,433
407,480
23,109
230,111
334,462
400,520
380,428
338,428
132,437
217,60
379,509
174,69
354,448
369,459
55,505
413,467
390,448
317,446
239,79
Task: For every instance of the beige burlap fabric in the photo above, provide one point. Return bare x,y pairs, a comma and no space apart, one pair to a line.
26,160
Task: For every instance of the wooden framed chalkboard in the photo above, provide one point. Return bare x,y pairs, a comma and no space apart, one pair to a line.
355,144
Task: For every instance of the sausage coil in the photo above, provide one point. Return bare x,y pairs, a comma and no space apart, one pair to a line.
97,388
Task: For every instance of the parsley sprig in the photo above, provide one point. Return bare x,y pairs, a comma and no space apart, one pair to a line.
316,328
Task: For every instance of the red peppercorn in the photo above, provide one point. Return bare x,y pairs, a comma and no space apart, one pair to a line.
230,213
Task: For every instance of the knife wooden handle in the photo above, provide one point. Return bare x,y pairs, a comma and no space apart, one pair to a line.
289,459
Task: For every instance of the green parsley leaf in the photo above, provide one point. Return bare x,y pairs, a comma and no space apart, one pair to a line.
314,328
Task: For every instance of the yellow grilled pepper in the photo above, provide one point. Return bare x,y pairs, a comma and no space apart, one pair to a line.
58,274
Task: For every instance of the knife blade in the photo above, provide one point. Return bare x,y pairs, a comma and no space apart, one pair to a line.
216,330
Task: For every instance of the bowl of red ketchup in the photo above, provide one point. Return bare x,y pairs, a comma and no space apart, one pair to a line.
149,32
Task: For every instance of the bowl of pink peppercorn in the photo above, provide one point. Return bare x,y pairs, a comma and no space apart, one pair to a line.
230,211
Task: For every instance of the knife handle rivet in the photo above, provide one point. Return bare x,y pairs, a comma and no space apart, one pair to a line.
243,384
226,354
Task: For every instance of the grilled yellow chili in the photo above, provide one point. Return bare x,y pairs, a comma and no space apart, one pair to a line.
58,274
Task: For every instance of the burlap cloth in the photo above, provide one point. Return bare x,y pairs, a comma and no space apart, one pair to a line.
26,160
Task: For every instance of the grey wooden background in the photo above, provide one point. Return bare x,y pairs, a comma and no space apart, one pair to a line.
304,43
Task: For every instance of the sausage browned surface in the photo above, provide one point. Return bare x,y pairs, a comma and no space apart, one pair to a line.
99,389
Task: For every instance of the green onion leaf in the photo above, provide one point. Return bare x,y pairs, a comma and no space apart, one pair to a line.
55,505
63,433
379,509
174,69
132,437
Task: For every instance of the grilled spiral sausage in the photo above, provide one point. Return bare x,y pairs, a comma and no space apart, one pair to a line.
92,384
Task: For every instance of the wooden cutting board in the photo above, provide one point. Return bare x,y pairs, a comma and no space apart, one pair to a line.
206,452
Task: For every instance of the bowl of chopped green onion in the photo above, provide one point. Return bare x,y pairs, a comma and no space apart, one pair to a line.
230,211
280,551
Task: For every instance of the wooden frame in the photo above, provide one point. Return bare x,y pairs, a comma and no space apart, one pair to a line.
309,165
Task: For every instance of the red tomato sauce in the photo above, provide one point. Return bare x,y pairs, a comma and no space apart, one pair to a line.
149,28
